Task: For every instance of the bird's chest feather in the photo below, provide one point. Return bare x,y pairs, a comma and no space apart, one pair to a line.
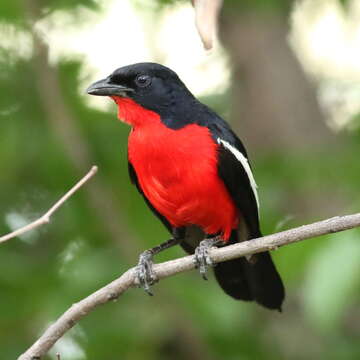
166,160
177,171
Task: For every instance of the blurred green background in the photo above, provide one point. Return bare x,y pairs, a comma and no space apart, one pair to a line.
286,78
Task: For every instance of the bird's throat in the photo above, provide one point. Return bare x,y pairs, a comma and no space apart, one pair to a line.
134,114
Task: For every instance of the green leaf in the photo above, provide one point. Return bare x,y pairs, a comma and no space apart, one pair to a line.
11,11
332,279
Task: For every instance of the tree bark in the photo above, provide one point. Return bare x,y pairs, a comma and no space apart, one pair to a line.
274,105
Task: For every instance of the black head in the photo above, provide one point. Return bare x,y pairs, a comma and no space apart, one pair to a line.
151,85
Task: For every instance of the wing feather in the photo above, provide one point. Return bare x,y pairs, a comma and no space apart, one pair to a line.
235,171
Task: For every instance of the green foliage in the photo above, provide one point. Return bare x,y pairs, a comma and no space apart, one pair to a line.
344,2
51,5
332,281
11,11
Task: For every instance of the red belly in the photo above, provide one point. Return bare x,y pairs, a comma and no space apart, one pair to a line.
177,171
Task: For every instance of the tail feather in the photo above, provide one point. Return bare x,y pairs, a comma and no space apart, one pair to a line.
264,281
232,278
256,279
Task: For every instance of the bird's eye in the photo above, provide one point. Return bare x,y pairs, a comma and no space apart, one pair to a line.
143,80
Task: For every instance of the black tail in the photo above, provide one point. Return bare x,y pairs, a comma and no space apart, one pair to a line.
253,280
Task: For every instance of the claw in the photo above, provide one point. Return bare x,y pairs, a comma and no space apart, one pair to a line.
202,258
144,272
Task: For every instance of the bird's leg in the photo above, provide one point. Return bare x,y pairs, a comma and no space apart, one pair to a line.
144,270
202,259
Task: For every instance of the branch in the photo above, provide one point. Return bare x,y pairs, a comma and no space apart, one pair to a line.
206,20
124,282
46,217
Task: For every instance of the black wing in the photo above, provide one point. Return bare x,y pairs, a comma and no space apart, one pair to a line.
134,180
256,279
236,177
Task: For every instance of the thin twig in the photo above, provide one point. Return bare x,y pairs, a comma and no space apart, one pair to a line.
116,288
44,219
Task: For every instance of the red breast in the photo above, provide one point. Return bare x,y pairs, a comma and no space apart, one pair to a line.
177,171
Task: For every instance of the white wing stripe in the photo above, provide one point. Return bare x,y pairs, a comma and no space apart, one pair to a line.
245,164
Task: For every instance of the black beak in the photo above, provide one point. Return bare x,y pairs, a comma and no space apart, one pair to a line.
105,88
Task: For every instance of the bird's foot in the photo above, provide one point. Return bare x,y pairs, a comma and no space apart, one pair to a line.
144,271
202,258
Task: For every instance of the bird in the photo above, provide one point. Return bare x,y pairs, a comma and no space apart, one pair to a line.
193,172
